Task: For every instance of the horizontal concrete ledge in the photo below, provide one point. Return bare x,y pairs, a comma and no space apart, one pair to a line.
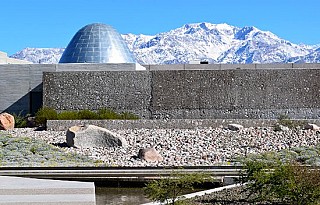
17,190
113,173
232,66
62,125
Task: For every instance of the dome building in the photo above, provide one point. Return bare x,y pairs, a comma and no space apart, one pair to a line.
97,43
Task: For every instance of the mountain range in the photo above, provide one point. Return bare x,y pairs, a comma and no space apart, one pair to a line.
215,43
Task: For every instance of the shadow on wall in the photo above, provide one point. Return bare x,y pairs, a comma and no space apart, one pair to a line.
29,103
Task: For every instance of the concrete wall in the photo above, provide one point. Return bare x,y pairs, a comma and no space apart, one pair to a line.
21,85
233,94
119,90
246,92
166,91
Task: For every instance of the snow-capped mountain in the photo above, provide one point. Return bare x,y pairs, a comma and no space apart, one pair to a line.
216,43
40,55
312,57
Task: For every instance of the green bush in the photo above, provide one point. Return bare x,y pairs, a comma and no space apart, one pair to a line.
68,115
284,183
108,114
20,120
287,122
45,114
128,116
168,189
87,115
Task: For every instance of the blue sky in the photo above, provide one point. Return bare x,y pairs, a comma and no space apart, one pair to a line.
52,23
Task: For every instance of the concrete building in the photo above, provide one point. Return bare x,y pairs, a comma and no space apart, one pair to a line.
203,91
97,71
4,59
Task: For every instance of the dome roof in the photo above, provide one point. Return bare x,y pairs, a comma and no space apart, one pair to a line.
97,43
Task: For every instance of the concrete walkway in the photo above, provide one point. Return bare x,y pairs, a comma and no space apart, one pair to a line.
17,191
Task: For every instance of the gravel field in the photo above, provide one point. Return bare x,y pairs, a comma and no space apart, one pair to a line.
211,146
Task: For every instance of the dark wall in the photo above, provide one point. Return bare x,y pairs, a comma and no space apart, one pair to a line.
155,94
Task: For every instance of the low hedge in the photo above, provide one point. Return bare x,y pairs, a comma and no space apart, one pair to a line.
46,113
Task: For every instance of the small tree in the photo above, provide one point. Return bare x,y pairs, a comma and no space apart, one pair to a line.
168,189
288,183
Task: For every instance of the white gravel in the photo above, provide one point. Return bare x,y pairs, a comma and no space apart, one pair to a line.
211,146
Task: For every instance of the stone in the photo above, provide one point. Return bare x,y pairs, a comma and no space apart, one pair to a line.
31,122
150,155
279,127
235,127
6,121
93,136
310,126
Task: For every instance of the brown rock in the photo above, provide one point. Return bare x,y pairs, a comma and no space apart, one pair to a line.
150,155
6,121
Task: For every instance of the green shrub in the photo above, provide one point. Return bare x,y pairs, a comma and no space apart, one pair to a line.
108,114
128,116
68,115
168,189
286,121
287,183
45,114
87,115
20,120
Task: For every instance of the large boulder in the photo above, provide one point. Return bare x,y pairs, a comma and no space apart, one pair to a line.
150,155
6,121
93,136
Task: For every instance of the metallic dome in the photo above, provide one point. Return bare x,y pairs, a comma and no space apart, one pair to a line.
97,43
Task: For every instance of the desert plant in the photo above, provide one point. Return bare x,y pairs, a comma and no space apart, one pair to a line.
20,120
108,114
284,120
44,114
128,116
87,114
288,183
68,115
168,189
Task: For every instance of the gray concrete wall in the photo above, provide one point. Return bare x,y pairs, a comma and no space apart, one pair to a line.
21,85
263,93
166,91
190,94
118,90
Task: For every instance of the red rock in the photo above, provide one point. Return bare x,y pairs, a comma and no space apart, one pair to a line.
6,121
150,155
